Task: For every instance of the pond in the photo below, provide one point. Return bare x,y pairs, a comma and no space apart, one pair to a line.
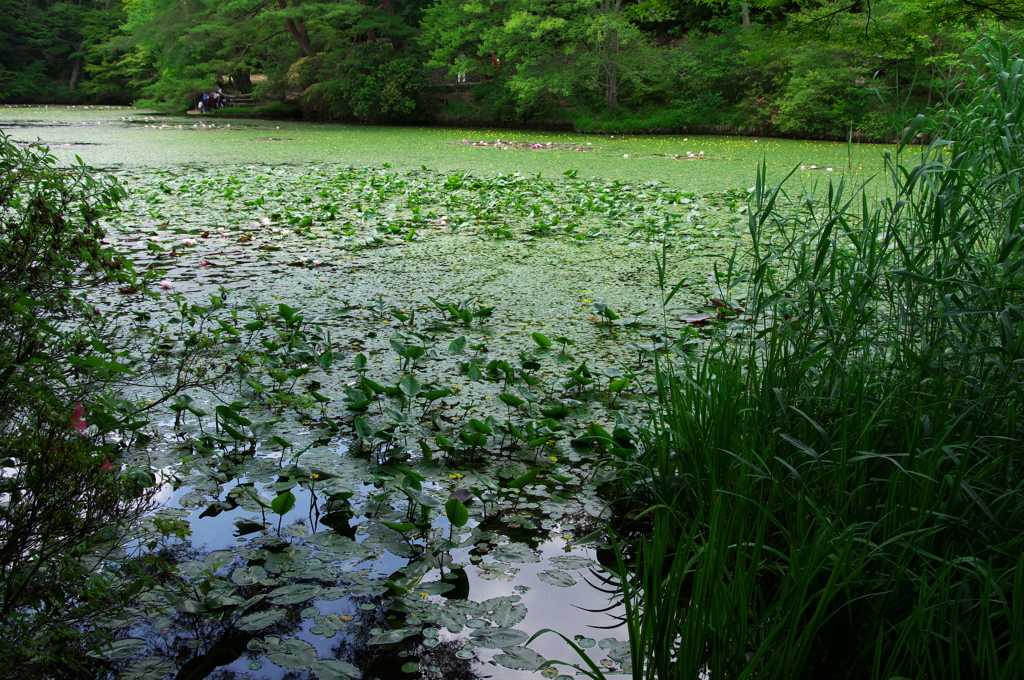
412,356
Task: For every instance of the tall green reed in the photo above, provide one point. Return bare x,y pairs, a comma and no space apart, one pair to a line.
838,491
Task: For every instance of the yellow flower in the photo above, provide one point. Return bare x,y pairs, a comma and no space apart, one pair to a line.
422,594
585,300
553,459
315,476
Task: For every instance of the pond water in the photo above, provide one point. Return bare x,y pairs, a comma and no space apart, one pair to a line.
392,461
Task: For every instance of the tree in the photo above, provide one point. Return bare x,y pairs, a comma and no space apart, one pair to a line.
546,51
46,45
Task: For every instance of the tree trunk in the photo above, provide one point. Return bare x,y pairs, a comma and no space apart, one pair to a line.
371,35
297,29
745,14
396,42
611,89
242,82
611,56
76,68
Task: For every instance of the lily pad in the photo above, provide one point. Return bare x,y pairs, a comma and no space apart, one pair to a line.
118,649
333,669
247,576
571,562
498,638
293,653
392,636
520,659
515,553
152,668
294,593
557,578
259,620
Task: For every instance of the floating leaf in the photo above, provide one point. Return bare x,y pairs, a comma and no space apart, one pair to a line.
294,593
333,669
515,553
148,669
392,636
498,638
259,620
541,339
572,562
294,654
520,659
247,576
584,642
118,649
557,578
506,614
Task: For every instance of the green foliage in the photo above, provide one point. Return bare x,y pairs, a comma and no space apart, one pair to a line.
63,502
372,82
48,50
837,486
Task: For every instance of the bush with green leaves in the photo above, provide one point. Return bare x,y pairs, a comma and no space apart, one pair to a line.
61,498
372,82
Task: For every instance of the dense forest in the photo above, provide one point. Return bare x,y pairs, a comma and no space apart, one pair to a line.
809,68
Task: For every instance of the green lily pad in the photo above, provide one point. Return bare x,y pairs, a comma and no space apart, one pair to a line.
259,620
520,659
294,593
392,636
333,669
152,668
498,638
571,562
515,553
118,649
557,578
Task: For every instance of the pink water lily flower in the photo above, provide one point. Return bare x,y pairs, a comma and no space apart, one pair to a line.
166,284
188,241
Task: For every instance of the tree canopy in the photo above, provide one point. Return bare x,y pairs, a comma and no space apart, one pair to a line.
804,67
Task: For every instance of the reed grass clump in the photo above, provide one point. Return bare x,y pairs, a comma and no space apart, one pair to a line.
837,493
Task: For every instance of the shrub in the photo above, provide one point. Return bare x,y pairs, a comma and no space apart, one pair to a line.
61,499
